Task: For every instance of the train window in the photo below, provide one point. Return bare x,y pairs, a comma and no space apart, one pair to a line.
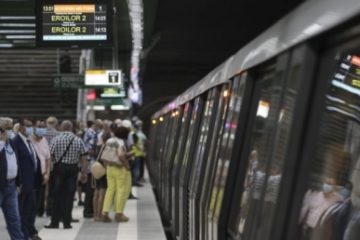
276,97
231,124
331,204
211,162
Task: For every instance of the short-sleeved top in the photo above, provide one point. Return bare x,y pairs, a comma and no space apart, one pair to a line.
59,145
91,140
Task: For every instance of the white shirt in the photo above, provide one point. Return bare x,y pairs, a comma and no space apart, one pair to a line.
12,167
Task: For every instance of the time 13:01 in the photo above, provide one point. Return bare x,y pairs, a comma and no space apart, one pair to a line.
48,8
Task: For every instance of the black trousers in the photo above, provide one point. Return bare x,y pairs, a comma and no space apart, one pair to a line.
65,178
50,196
89,196
40,200
142,167
27,207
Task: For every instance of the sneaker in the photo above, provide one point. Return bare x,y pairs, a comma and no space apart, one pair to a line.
88,215
52,226
67,226
132,197
35,237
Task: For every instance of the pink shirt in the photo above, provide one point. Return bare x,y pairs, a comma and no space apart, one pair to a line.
317,204
43,151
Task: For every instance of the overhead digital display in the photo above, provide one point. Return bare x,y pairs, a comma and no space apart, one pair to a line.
68,23
99,78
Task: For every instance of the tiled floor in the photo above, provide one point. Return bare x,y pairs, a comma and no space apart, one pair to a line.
144,224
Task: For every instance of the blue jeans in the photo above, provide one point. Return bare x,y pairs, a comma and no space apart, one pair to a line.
10,208
135,170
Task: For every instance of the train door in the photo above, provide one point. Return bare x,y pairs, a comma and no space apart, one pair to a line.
326,202
185,122
174,141
168,122
210,163
200,154
278,110
239,87
187,165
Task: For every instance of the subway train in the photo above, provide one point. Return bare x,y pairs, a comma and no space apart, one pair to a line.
267,145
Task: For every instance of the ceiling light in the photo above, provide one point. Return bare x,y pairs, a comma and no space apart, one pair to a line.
20,37
17,24
6,45
17,17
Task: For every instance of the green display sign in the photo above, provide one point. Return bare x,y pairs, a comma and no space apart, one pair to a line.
68,81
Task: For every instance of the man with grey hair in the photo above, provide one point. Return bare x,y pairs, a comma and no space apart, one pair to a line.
66,150
8,173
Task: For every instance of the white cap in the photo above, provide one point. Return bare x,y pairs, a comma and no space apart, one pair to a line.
126,124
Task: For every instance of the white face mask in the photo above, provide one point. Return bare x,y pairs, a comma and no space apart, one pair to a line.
10,134
327,188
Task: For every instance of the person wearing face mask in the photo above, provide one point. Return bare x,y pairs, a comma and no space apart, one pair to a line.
42,149
31,178
319,204
9,172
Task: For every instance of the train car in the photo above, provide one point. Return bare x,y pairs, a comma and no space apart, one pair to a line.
267,145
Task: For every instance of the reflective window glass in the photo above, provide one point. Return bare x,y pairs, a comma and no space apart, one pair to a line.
331,205
276,97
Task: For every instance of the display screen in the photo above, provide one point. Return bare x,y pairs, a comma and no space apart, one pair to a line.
112,93
73,23
103,78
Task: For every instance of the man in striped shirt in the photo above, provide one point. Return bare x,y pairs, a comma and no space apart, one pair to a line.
66,150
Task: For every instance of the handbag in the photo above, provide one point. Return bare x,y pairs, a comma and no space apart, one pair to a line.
98,170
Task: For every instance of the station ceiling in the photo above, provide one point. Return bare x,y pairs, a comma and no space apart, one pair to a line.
189,38
183,40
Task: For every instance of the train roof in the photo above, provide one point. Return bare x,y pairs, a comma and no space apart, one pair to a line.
310,19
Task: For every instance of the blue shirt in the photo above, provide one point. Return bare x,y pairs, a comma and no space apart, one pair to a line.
90,140
12,167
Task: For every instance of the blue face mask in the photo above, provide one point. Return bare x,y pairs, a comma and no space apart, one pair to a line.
29,131
10,134
327,188
345,193
40,132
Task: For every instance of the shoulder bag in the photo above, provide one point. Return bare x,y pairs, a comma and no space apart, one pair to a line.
97,169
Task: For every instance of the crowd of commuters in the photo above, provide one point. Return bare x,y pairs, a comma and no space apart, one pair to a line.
43,164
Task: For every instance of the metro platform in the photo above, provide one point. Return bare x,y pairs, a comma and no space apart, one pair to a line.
144,224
